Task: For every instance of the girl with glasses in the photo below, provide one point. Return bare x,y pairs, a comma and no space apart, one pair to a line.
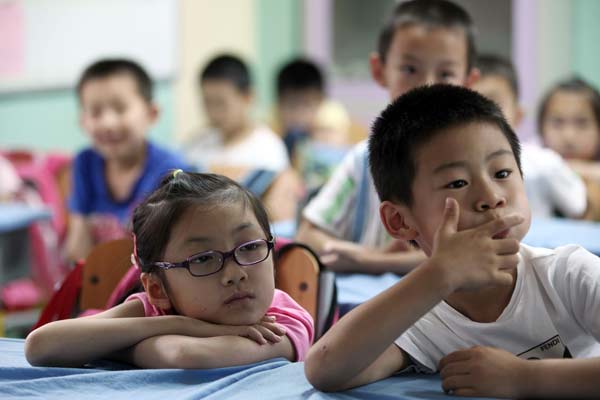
204,246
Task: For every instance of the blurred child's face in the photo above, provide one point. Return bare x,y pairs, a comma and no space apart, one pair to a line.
116,116
497,89
569,126
419,55
474,164
297,108
208,298
227,108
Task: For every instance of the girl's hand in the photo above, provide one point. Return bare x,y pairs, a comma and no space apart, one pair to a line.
263,332
473,258
484,372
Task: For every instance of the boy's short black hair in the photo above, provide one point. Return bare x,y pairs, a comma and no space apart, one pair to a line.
114,66
490,64
299,74
577,85
412,120
431,13
229,68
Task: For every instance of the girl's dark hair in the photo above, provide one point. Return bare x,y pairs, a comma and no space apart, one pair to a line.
577,85
154,219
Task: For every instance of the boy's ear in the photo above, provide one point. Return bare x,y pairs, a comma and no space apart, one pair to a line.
472,77
157,295
377,67
396,219
153,112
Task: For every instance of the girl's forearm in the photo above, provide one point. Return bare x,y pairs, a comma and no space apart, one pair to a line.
75,342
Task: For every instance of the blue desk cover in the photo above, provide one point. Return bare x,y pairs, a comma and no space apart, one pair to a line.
15,216
273,379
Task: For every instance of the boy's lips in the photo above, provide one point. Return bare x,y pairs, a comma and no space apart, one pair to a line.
501,235
237,296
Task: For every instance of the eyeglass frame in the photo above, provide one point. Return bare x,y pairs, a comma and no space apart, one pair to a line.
165,265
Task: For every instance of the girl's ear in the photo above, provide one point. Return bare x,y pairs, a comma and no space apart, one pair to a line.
396,219
155,290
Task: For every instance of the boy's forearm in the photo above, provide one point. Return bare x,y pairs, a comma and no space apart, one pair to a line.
176,351
561,379
359,338
399,262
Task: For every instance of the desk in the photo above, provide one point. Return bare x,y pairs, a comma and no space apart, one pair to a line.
556,232
15,219
272,379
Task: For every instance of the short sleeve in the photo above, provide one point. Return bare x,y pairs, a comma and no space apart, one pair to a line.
576,277
80,200
296,320
333,208
149,309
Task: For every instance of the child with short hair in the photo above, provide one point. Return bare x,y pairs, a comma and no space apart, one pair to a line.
424,42
552,186
233,140
122,166
569,123
204,246
446,165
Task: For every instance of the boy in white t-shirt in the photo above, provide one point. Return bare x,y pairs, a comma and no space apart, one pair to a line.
446,166
234,140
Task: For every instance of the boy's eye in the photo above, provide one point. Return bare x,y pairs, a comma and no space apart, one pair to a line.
408,69
446,75
457,184
503,174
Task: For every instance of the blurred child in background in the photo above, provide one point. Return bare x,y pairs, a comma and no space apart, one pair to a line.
569,123
424,42
233,140
122,166
551,185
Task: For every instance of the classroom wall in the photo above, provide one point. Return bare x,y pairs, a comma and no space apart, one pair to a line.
268,32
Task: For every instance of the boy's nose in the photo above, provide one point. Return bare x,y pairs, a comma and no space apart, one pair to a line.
488,198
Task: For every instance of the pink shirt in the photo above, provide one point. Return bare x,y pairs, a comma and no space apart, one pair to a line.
297,321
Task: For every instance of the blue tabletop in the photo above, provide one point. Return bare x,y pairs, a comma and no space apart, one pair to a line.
556,232
15,216
272,379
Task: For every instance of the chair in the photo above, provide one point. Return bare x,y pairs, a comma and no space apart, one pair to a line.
104,267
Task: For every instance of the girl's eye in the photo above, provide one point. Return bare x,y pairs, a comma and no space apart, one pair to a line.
202,259
249,247
457,184
503,174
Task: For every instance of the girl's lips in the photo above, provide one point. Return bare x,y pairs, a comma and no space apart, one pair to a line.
237,296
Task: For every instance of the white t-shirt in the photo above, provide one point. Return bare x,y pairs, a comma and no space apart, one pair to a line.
347,206
554,312
551,185
261,149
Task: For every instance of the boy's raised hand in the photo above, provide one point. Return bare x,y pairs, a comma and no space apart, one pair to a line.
472,258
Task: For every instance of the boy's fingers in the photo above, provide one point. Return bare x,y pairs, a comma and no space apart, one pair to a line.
501,224
459,355
507,246
449,222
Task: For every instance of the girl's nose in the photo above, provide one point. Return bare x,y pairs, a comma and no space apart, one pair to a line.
233,273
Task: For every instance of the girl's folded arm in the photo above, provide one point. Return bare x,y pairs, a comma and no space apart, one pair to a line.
176,351
74,342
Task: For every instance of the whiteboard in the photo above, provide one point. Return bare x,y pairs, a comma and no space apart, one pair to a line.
52,41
